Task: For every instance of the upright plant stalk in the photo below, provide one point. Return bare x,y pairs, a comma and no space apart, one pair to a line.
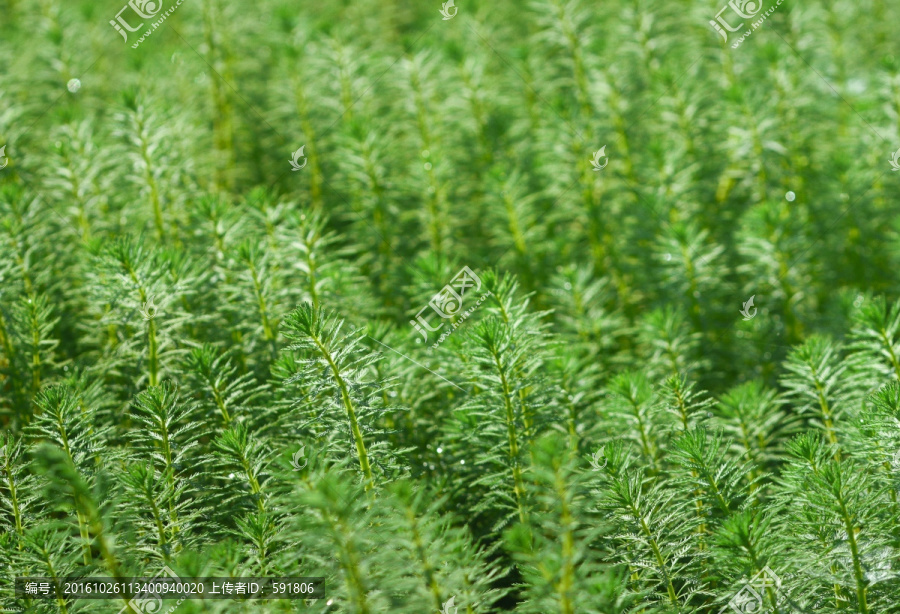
153,350
223,118
434,199
427,567
351,415
311,149
518,486
150,179
568,546
11,485
316,332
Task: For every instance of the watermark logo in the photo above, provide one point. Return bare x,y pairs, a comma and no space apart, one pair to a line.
750,598
3,158
595,459
448,303
595,161
296,156
744,9
143,9
895,160
149,310
746,311
146,602
298,456
448,607
449,10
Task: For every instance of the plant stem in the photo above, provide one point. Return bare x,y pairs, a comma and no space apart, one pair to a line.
518,486
351,413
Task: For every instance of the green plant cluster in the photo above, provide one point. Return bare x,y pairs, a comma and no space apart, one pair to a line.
210,361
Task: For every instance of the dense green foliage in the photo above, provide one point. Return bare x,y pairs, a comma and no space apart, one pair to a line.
207,361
